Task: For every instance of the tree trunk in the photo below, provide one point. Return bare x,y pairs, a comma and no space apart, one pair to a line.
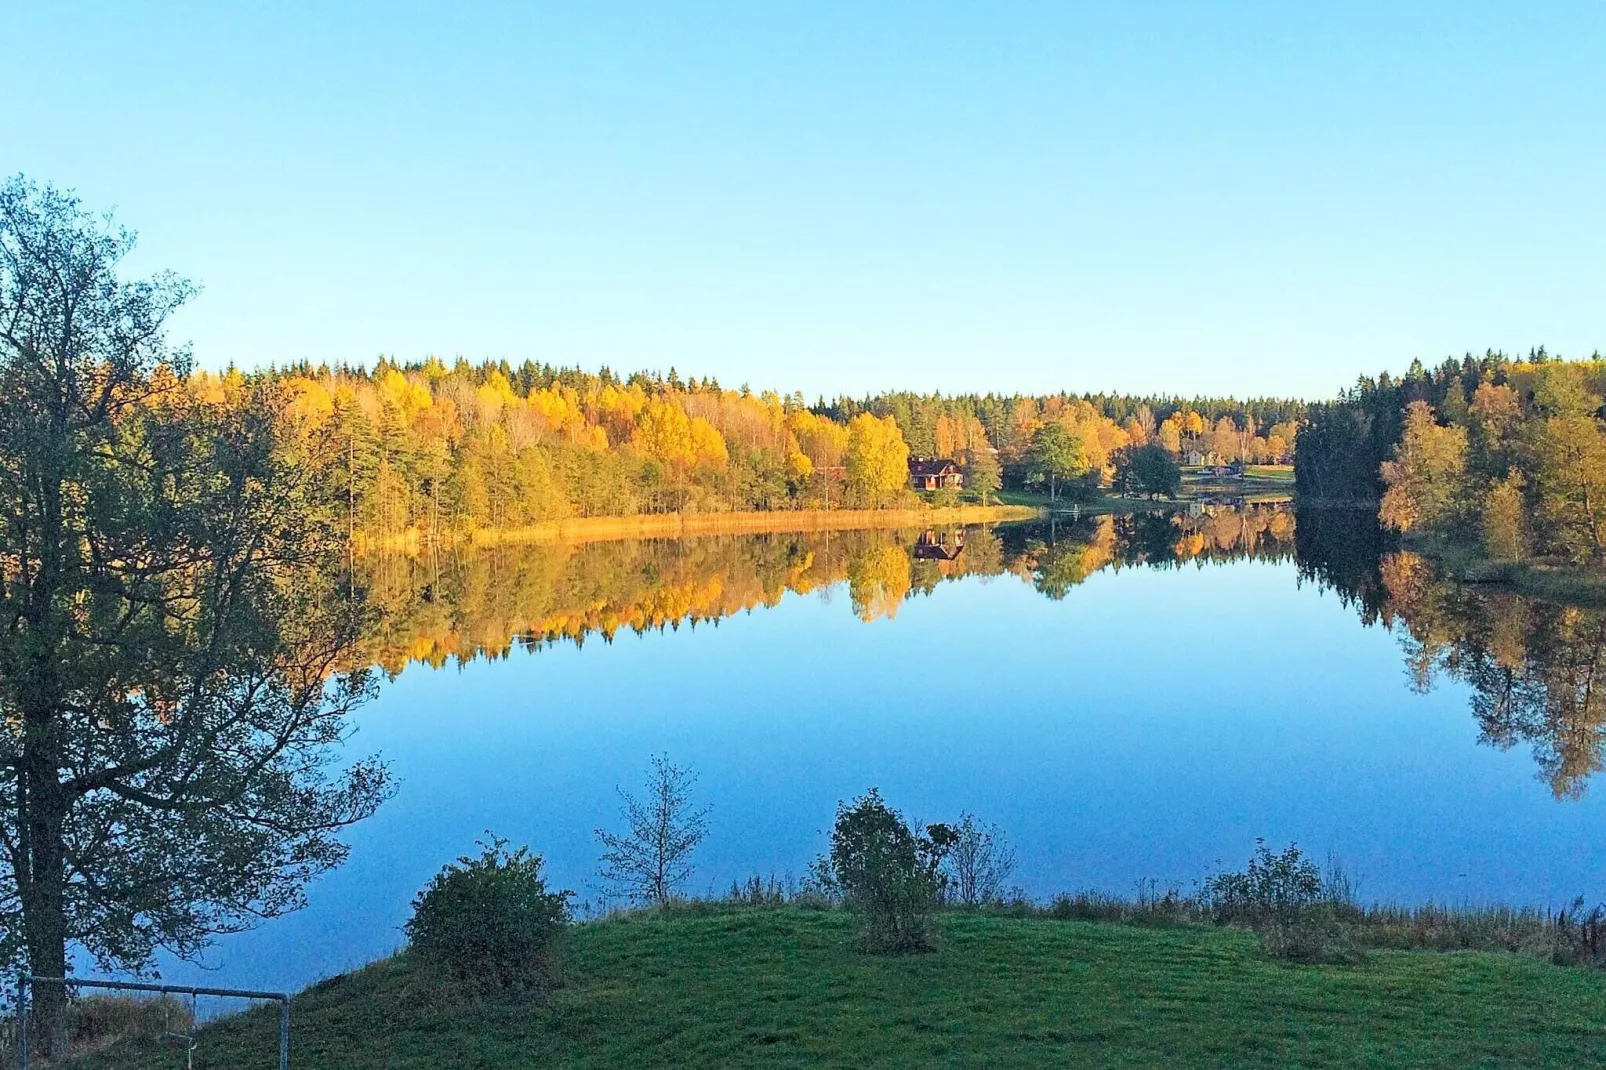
41,893
42,817
43,803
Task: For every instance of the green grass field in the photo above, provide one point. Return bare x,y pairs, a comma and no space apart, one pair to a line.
1260,483
782,987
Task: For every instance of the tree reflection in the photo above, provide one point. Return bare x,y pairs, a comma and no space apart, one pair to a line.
1533,666
459,606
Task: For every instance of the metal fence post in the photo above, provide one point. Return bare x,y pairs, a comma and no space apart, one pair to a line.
284,1033
22,1021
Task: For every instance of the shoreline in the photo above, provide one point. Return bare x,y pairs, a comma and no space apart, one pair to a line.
1573,585
676,525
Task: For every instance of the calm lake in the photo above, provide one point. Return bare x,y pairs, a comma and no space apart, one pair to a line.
1126,699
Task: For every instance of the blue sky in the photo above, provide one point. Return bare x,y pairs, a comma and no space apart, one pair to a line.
1186,197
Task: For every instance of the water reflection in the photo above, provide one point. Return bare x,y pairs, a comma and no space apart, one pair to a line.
456,607
1535,667
1129,697
1532,666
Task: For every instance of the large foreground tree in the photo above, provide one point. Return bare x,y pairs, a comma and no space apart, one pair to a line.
176,641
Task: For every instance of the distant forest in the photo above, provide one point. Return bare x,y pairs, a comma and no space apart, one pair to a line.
1503,453
437,450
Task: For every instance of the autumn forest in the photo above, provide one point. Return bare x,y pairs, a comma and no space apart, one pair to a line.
440,451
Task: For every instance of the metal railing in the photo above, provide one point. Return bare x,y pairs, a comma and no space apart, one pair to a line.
27,979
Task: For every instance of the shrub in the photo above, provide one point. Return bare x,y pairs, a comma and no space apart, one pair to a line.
1282,897
887,872
1088,906
757,891
1274,887
489,921
1152,907
98,1022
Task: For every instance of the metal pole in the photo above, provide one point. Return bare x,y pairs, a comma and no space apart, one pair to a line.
22,1021
134,986
284,1033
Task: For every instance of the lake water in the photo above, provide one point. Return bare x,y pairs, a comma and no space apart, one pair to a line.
1126,700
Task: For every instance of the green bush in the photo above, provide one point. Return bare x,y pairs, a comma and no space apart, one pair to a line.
1283,897
887,872
489,921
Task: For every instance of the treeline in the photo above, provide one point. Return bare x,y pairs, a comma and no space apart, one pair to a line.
1345,442
1506,454
435,450
1257,430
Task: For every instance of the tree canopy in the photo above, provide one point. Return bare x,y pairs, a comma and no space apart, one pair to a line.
175,640
1505,453
1056,457
1149,469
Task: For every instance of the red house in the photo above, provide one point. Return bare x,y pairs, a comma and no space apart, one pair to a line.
933,473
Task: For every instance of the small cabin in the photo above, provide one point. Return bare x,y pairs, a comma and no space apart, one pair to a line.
934,473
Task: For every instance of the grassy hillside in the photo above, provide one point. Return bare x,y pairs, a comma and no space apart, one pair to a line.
733,987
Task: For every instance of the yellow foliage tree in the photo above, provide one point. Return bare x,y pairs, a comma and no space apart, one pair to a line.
1426,473
877,458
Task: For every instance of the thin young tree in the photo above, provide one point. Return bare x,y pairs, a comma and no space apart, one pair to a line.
651,860
175,653
979,862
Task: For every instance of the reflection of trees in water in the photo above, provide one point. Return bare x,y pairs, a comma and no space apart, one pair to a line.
1339,549
1534,667
1056,557
470,604
878,581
